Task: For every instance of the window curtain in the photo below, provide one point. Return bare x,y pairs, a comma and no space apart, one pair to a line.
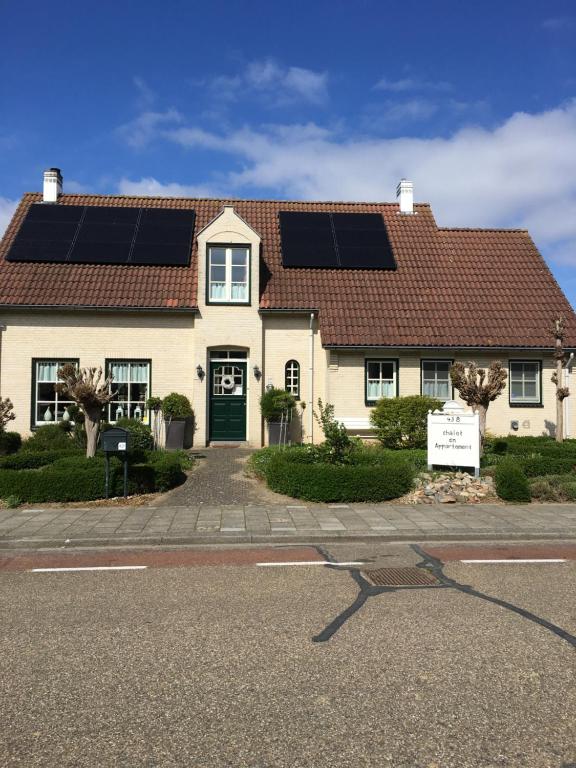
46,371
239,291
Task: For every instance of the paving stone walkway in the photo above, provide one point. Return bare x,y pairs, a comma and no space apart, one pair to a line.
219,523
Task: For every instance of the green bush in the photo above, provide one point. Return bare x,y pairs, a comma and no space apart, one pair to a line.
338,482
176,406
11,502
401,422
76,478
546,465
511,482
31,460
140,434
274,402
10,442
338,443
50,437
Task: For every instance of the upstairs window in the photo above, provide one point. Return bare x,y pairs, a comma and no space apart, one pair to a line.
131,383
228,275
525,378
436,379
292,378
381,379
48,406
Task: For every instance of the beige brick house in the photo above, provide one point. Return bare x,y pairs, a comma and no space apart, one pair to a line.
218,299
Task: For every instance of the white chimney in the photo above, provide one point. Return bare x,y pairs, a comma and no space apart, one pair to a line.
52,185
405,196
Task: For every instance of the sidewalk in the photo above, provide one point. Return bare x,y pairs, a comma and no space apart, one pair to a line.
291,523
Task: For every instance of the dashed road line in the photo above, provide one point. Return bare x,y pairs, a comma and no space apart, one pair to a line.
91,568
517,560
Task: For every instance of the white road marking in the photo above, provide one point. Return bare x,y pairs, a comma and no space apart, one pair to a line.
518,560
305,562
92,568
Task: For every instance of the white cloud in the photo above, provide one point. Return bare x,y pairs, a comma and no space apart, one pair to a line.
408,111
146,96
520,173
7,208
143,129
407,84
558,23
150,187
277,84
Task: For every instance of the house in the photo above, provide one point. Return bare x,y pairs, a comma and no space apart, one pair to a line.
218,299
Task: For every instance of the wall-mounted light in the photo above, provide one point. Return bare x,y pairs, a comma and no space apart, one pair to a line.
257,373
200,372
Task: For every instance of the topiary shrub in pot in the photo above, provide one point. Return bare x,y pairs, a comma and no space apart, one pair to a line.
276,407
178,421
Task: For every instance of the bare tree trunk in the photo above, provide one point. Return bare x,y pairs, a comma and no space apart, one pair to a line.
482,410
559,400
92,426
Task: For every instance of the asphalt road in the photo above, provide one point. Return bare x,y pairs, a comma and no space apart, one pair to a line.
216,664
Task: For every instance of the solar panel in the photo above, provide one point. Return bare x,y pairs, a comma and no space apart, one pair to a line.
335,240
104,235
307,240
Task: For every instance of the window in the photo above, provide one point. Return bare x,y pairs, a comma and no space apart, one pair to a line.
48,406
381,379
436,379
525,378
227,354
131,383
228,274
292,378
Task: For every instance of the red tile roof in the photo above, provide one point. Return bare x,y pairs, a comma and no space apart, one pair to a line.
452,287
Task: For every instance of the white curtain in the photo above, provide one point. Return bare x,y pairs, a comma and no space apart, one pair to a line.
46,371
239,291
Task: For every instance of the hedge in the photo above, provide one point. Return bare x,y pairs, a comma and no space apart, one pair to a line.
50,437
75,478
10,442
511,482
401,422
546,465
30,460
339,483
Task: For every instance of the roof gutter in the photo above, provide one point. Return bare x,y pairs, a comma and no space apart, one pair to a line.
464,347
95,308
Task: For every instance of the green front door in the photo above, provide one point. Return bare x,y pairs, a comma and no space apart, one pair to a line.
227,401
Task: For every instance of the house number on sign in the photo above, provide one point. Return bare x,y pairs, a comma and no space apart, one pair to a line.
454,438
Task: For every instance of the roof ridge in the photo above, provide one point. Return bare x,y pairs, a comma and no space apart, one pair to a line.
482,229
227,199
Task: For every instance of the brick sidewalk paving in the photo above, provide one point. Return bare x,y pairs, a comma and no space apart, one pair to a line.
204,523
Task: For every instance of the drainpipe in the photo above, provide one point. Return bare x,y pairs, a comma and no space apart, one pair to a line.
567,372
2,328
311,375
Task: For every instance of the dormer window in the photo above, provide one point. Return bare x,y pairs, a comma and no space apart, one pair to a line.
228,274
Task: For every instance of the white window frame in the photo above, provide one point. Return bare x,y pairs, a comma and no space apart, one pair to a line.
113,404
434,361
292,378
394,380
227,298
529,400
58,399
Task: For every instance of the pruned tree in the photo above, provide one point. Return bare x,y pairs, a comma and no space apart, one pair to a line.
6,413
478,387
560,360
91,392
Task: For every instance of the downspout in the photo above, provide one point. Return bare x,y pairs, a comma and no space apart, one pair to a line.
311,379
567,372
2,328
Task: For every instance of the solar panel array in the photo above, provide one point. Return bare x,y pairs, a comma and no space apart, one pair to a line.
76,234
335,240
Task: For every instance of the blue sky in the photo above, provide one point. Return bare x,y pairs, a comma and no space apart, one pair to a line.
475,102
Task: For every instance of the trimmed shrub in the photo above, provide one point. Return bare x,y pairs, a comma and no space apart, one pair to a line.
401,422
176,406
274,402
546,465
511,482
10,442
339,483
31,460
167,469
50,437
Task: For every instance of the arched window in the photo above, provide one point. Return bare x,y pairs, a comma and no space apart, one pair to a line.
292,378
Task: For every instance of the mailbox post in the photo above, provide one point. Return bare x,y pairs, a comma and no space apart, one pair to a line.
116,440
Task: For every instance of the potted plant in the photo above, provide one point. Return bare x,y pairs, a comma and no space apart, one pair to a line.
178,421
276,407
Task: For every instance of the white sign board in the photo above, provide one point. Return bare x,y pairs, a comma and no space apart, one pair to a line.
454,439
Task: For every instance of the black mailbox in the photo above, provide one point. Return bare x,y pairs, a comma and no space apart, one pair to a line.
115,440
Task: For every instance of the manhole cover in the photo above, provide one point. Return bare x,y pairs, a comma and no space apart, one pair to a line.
400,577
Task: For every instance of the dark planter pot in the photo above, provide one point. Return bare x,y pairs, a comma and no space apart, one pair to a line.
179,434
274,432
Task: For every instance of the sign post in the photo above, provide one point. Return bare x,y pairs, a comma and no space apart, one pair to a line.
454,437
116,440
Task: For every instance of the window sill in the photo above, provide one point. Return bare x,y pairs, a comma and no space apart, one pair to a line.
228,303
526,405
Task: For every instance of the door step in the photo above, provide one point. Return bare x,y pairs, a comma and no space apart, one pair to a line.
228,444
